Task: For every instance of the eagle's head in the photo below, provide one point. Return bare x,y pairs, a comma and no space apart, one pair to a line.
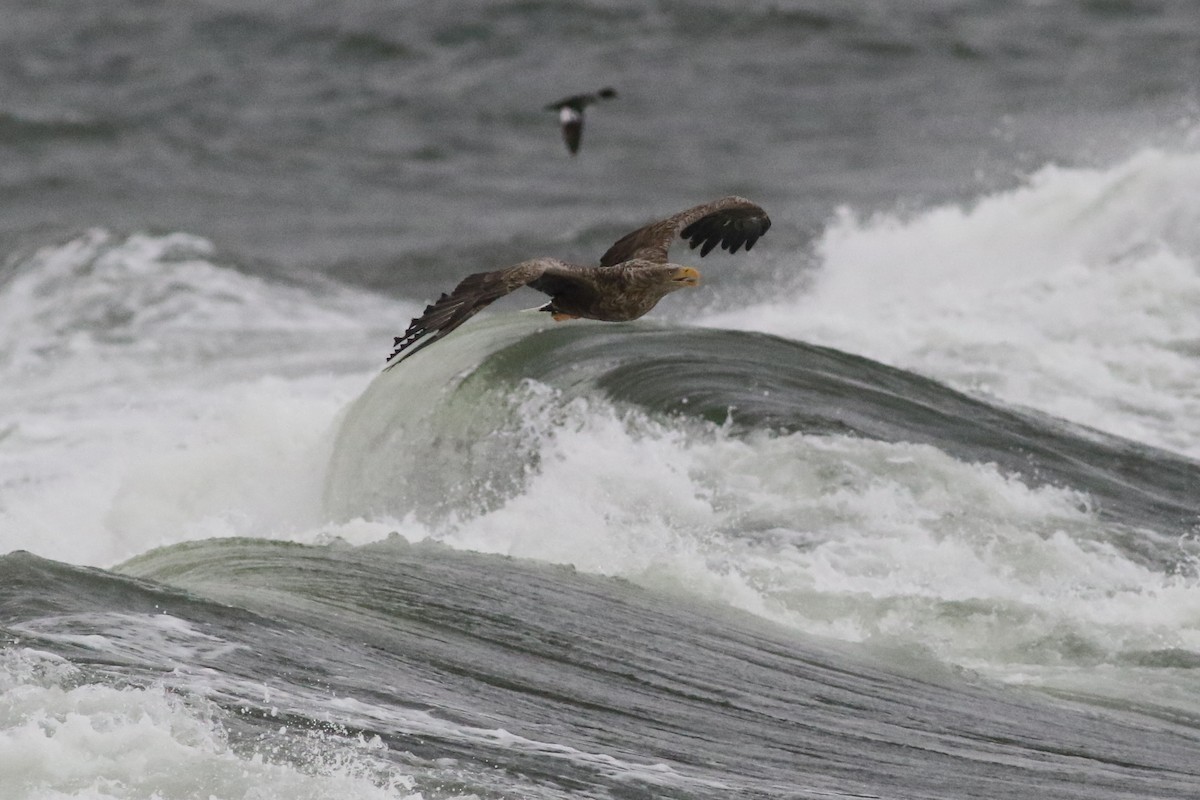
679,276
643,283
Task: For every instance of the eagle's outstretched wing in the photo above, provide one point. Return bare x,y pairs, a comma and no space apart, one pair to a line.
730,222
472,295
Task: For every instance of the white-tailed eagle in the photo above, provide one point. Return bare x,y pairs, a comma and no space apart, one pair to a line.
633,275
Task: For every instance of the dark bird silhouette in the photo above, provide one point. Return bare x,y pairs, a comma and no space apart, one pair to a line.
633,275
570,114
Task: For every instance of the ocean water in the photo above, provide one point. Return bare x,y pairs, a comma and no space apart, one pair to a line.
904,503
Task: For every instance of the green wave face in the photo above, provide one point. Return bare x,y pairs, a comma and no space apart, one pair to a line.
456,430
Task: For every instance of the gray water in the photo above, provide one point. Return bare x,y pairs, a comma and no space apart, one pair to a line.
901,504
362,139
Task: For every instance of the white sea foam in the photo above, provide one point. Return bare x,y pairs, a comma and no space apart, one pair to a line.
839,536
63,737
1075,293
167,296
155,742
151,395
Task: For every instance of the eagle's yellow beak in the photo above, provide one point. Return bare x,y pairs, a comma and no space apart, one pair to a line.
687,276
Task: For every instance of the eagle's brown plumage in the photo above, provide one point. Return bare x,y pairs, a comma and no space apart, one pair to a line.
633,275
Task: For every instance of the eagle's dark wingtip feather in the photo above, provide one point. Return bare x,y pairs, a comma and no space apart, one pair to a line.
405,347
732,230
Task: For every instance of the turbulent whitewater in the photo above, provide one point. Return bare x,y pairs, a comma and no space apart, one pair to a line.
903,504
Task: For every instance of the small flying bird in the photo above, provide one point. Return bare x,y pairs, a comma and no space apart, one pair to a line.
570,114
633,275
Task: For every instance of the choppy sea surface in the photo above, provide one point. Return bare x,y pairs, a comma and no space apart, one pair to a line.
905,503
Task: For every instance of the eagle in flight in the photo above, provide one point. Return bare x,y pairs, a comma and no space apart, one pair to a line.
570,114
633,275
